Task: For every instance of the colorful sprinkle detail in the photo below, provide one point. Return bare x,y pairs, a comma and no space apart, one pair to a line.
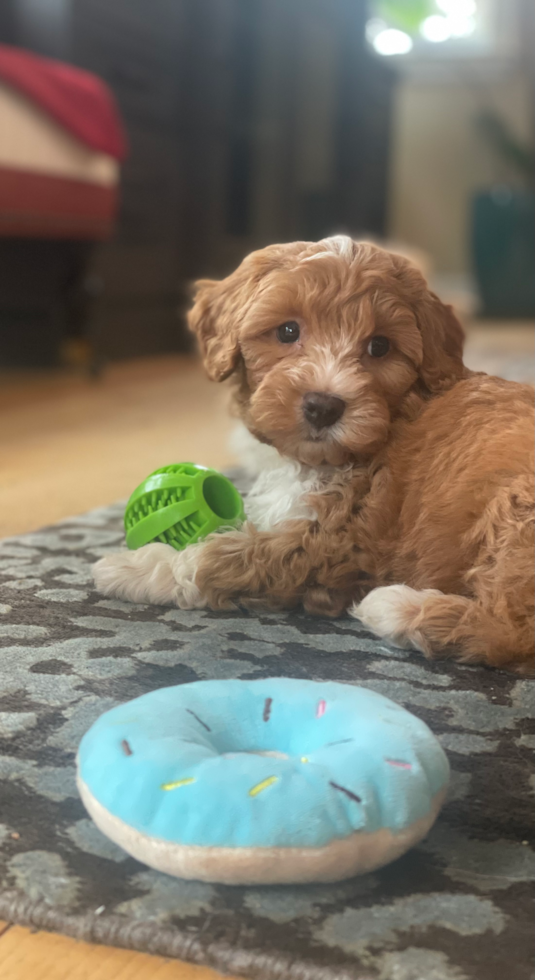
201,722
179,782
260,787
342,789
126,747
341,741
398,764
321,708
304,759
267,709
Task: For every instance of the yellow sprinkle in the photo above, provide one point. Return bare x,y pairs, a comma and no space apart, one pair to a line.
263,785
304,758
178,782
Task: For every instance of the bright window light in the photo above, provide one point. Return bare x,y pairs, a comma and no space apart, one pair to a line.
374,27
462,9
461,26
391,42
436,29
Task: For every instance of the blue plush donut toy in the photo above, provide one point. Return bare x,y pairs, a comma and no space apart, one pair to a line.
262,781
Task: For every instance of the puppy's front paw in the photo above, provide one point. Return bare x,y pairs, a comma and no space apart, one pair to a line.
155,573
391,612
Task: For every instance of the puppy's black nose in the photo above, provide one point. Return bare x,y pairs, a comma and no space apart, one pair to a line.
322,410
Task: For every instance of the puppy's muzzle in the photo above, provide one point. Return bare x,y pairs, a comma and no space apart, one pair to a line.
322,410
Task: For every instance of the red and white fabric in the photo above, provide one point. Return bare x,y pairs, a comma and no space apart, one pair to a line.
61,143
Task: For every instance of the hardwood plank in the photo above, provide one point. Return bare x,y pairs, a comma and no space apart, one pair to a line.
68,444
47,956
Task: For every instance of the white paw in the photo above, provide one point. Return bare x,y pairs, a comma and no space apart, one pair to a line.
156,573
391,611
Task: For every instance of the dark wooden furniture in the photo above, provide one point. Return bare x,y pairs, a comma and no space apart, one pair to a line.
249,121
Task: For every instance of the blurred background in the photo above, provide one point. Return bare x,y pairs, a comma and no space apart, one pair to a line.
221,126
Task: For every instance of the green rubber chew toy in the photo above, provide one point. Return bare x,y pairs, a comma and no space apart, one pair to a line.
181,504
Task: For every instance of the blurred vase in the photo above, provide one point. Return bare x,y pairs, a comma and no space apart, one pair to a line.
503,251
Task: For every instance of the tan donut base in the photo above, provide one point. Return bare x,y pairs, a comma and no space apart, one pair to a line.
361,852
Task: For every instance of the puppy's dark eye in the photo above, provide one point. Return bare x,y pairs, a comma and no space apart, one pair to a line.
378,346
288,332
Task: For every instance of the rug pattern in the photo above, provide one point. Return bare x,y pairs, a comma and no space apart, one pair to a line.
457,907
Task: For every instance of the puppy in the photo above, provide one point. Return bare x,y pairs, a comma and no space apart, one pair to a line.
404,486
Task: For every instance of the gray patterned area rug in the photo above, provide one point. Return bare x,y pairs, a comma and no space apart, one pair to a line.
457,907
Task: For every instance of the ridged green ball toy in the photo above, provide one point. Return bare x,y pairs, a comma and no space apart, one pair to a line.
181,504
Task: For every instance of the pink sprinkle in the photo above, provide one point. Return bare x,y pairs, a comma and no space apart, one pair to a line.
321,708
398,764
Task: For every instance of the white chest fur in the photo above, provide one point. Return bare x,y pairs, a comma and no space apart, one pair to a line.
281,486
280,495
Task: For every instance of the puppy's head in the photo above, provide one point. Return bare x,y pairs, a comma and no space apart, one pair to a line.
323,341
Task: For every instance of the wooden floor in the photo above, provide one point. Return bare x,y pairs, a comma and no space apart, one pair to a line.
68,444
45,956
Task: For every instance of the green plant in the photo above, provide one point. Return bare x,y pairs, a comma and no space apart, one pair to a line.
407,15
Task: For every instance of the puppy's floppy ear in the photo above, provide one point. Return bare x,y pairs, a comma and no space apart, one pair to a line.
443,340
214,320
220,307
442,334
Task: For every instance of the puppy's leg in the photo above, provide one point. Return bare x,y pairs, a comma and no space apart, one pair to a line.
276,569
391,612
156,573
250,567
494,624
218,572
446,625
